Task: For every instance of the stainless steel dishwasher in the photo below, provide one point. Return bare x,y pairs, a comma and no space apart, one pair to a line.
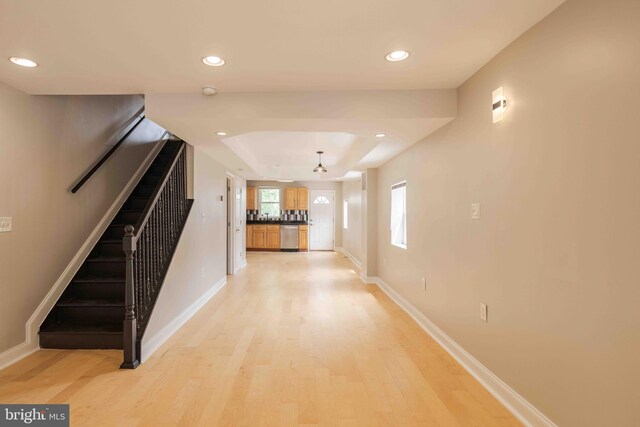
289,238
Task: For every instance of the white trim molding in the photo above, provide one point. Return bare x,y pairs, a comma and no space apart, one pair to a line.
31,344
524,411
528,414
149,346
350,256
17,353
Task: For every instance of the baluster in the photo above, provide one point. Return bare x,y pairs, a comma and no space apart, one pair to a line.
130,328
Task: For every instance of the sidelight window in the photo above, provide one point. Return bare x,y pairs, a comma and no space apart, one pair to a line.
399,214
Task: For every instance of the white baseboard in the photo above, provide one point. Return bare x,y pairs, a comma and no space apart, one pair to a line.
31,344
348,254
514,402
17,353
152,344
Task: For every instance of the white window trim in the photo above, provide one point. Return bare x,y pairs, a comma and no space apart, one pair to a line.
260,197
402,181
345,214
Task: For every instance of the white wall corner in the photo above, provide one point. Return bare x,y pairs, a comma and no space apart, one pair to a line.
514,402
31,343
149,346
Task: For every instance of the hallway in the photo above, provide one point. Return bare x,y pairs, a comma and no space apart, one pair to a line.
291,340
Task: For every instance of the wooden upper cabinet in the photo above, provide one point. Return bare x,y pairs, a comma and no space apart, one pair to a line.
302,198
290,199
252,198
296,199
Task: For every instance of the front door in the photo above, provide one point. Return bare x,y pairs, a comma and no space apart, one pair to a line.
321,220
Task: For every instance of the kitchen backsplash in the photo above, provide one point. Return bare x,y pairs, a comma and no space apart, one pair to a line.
286,215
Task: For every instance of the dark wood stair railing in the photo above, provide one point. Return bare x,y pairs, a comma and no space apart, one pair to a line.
149,247
132,124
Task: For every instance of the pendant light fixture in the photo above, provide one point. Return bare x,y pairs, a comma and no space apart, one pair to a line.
320,168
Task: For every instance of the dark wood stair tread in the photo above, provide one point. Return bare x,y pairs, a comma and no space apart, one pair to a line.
79,302
98,279
106,259
74,328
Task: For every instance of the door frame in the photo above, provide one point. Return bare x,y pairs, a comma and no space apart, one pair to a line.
230,219
333,192
234,263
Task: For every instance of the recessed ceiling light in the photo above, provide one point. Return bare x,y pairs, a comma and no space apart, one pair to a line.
380,135
213,61
397,55
23,62
221,133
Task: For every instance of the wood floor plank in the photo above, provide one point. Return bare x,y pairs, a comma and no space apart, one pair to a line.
292,340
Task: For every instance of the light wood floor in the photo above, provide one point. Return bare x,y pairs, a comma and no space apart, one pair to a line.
294,339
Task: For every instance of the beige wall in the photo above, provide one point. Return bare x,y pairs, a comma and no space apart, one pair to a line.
352,236
311,185
555,254
200,259
47,144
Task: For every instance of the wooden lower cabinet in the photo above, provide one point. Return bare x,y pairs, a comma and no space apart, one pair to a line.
303,238
273,236
249,236
259,236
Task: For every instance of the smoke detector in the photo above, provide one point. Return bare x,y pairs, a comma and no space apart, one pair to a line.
209,91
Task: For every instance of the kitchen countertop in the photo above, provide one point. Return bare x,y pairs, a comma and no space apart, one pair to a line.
277,222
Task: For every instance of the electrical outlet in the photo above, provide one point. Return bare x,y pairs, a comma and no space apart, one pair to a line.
475,210
484,312
202,272
5,224
424,283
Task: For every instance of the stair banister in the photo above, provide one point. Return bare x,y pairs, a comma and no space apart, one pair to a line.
149,246
130,331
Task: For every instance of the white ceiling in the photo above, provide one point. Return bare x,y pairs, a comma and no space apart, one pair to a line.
276,135
155,46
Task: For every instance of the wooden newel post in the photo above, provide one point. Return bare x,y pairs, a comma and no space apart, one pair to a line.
130,336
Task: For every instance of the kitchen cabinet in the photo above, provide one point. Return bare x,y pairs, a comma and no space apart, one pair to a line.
273,237
249,237
303,238
296,198
259,236
252,198
290,199
302,199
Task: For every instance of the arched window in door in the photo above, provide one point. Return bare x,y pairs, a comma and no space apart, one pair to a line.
321,200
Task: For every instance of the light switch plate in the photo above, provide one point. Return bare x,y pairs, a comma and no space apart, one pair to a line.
484,312
424,283
475,210
5,224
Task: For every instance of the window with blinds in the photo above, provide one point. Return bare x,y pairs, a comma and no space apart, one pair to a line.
399,214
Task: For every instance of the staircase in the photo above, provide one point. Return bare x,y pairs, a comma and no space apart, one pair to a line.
90,314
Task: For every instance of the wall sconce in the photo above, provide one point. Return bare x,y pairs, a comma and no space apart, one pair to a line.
499,105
